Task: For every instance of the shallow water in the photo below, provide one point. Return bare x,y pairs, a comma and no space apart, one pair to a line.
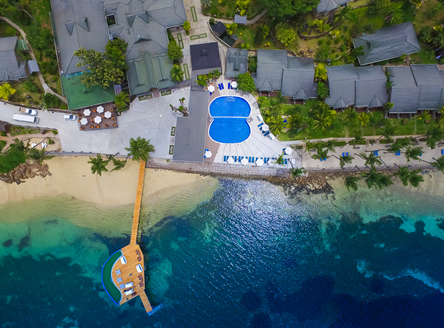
251,256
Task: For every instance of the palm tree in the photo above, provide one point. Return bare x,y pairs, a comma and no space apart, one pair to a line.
294,122
425,116
330,144
307,125
364,119
399,144
347,159
441,116
39,155
350,182
322,154
403,174
121,101
98,165
280,159
413,153
118,164
176,73
349,116
396,14
139,148
374,178
357,140
19,145
297,172
415,179
322,120
371,160
308,146
388,130
439,163
434,135
276,124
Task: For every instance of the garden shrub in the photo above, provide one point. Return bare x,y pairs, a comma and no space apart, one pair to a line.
320,42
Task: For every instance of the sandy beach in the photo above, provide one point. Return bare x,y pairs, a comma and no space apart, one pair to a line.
103,203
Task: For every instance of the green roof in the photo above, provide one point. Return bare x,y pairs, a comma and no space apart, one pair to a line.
80,96
22,45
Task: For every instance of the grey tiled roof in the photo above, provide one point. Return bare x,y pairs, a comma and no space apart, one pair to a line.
189,145
388,42
342,85
236,62
149,72
418,87
298,79
270,64
10,68
78,23
205,56
370,88
328,5
238,19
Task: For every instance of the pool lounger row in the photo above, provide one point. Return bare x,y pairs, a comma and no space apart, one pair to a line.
221,86
253,160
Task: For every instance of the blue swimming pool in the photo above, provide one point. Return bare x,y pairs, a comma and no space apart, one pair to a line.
229,119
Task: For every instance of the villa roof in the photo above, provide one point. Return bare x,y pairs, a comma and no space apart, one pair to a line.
76,24
219,28
79,96
418,87
238,19
371,91
10,68
342,86
191,131
205,56
236,62
149,72
270,65
298,79
325,6
387,43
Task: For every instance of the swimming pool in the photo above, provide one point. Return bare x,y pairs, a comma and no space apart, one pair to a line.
230,115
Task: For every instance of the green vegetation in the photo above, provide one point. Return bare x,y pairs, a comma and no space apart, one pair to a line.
6,91
245,82
187,27
121,101
51,101
203,80
139,149
177,73
228,8
98,164
20,130
103,69
174,51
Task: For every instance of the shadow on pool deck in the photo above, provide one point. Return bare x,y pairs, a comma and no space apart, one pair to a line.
209,143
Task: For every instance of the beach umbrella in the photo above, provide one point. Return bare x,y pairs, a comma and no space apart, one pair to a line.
84,121
244,161
211,88
288,151
234,84
97,119
230,160
208,154
260,162
108,114
33,144
44,145
86,112
265,128
100,109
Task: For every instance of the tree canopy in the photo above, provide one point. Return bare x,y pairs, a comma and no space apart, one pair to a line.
285,33
174,51
245,82
6,91
281,10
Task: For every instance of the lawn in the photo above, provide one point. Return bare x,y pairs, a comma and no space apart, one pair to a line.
20,130
228,8
20,97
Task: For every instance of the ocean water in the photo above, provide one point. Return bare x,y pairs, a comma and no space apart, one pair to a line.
253,255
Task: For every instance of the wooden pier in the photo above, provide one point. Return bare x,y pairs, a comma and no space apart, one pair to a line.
133,254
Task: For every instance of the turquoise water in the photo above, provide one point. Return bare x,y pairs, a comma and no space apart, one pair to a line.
253,255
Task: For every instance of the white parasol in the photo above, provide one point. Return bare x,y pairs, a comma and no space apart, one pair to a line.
108,114
234,84
44,145
97,119
265,128
84,121
100,109
260,162
211,88
33,144
86,112
244,161
230,160
208,154
288,151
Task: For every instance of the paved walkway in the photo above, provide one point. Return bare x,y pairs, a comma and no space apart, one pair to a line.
46,88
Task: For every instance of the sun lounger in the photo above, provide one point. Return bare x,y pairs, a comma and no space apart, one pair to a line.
442,151
263,124
119,279
375,152
122,286
259,117
285,161
266,133
118,272
211,93
229,86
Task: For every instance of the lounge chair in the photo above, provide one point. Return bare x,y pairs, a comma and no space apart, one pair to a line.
375,152
442,151
229,86
285,161
118,272
266,133
259,125
211,93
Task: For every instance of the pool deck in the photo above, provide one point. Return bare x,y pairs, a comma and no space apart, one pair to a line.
256,145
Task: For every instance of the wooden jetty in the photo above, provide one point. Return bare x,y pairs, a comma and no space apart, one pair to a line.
126,273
